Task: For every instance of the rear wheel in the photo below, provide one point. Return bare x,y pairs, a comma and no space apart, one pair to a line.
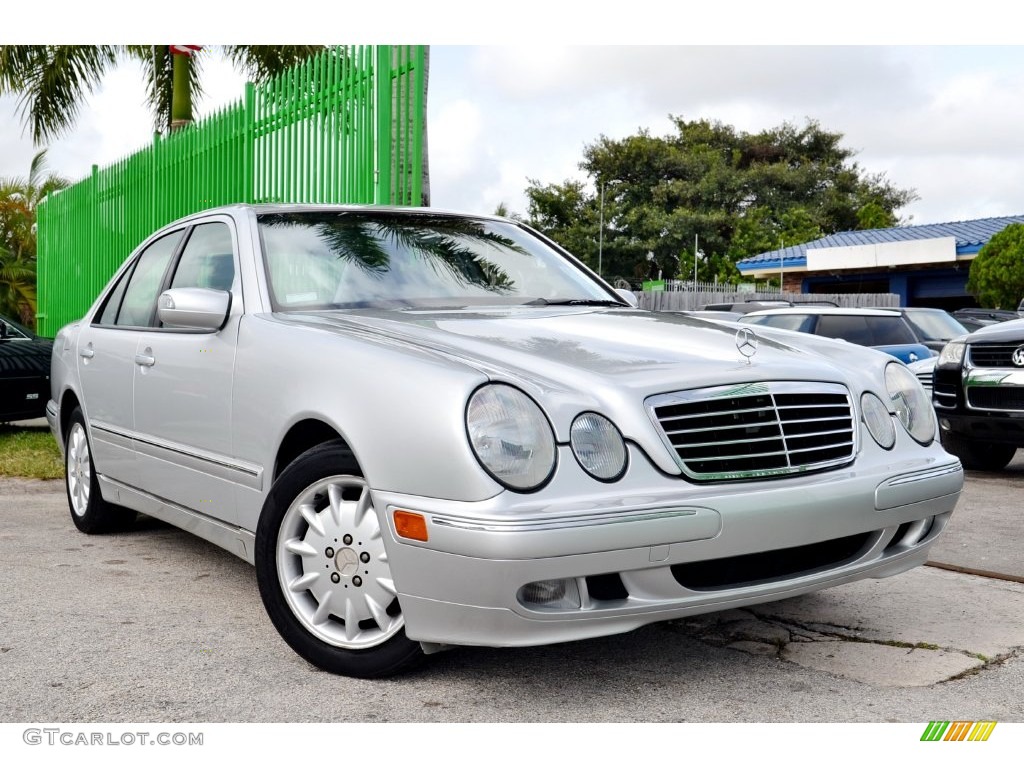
973,454
89,512
322,570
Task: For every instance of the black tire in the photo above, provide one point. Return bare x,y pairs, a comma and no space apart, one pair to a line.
343,617
89,511
989,457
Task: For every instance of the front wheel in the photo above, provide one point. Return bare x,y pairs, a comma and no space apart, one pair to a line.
322,570
990,457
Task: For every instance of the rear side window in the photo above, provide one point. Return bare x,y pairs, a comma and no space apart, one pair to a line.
852,328
108,315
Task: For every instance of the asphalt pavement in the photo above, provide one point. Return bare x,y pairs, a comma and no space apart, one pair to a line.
155,625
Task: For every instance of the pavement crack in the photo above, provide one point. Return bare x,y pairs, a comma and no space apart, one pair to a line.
854,634
986,663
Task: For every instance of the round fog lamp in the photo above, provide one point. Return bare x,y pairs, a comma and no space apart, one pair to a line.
598,446
553,593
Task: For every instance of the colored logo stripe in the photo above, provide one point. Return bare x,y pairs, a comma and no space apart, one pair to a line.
960,730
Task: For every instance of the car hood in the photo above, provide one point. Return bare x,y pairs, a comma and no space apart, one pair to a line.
908,353
582,347
1008,332
25,357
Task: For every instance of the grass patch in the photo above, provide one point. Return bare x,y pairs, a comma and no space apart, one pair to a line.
29,452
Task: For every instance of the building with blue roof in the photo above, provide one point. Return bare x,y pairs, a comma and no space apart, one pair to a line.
926,265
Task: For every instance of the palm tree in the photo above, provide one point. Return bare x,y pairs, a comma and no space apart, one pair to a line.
54,80
19,199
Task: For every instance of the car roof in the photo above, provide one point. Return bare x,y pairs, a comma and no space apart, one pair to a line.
902,310
817,310
265,208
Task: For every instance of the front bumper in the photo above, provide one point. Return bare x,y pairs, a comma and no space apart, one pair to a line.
660,548
996,410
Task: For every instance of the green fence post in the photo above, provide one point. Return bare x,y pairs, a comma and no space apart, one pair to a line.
249,150
382,75
419,127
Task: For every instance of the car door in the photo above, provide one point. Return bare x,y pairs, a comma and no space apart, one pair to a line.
105,353
183,383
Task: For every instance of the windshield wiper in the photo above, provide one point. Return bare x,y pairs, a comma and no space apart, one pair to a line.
574,303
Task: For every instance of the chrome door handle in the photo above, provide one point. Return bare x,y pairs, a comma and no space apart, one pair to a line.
87,352
147,360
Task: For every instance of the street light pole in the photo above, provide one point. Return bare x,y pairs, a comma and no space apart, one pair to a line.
695,252
782,256
600,233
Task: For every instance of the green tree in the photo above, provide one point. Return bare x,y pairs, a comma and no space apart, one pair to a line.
19,198
52,81
997,272
740,194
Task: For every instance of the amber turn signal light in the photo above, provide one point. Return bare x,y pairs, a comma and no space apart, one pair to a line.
410,525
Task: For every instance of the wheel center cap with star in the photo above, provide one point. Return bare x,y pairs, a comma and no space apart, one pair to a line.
346,562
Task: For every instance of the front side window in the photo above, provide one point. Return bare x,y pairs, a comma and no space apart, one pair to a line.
138,307
208,259
330,259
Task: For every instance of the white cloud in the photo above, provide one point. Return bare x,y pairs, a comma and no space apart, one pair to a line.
947,121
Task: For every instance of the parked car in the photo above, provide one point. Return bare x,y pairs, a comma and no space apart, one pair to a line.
978,392
882,329
973,319
752,305
24,372
428,429
931,327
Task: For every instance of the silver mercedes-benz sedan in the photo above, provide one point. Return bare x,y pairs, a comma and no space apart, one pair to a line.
428,429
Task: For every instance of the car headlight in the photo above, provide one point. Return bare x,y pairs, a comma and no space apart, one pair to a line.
952,353
598,446
910,403
511,437
878,420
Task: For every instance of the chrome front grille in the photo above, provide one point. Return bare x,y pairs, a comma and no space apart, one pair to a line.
758,430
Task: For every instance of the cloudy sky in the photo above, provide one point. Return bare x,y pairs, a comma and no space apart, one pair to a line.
947,121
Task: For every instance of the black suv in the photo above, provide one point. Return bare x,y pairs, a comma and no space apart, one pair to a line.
978,392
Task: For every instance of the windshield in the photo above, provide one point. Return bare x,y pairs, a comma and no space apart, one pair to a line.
10,330
350,259
935,326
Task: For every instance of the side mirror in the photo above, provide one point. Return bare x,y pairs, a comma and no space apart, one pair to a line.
629,296
197,308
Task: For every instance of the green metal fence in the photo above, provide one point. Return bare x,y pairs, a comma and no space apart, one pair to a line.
344,127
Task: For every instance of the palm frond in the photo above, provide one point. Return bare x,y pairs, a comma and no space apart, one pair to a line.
52,82
261,62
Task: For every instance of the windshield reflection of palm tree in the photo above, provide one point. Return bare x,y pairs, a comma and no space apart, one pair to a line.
448,245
